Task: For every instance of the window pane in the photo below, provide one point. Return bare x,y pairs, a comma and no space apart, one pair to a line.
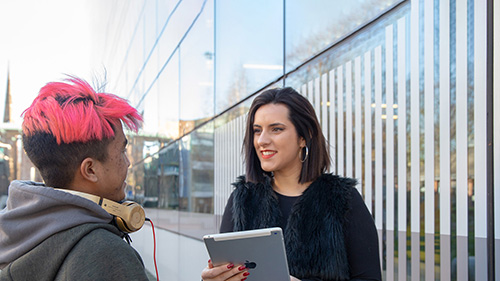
249,46
311,26
196,72
196,167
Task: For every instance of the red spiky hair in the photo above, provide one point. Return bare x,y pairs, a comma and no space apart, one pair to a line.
74,112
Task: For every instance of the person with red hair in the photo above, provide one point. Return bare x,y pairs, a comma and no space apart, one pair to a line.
74,136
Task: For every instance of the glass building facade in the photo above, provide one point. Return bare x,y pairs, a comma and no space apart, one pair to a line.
403,91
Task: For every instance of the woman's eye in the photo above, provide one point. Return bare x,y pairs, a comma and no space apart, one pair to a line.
277,129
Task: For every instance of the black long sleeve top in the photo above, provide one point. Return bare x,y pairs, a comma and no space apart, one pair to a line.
360,235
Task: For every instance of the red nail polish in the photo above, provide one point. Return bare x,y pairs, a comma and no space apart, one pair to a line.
209,261
244,279
246,273
241,268
229,266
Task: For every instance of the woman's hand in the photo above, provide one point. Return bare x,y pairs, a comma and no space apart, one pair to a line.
225,272
293,278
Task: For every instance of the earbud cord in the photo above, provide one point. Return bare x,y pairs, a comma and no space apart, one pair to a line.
154,247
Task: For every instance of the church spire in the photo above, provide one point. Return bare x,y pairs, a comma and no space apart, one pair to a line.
8,99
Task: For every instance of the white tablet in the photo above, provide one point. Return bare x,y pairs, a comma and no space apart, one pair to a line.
262,251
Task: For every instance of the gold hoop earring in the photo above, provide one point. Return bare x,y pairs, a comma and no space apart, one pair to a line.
307,154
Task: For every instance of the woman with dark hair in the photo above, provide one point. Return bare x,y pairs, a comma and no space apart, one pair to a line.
329,233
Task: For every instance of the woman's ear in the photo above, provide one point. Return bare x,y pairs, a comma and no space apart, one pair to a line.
302,142
88,169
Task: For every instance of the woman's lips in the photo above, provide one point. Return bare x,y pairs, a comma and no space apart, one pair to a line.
266,154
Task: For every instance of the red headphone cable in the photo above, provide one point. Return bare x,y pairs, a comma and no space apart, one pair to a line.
154,246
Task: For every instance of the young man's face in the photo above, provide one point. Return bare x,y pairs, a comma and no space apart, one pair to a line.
114,170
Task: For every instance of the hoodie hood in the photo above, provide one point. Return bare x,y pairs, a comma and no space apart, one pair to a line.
35,212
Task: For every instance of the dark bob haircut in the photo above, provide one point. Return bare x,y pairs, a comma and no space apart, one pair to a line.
303,117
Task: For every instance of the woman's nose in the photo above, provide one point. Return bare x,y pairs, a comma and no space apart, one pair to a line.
263,139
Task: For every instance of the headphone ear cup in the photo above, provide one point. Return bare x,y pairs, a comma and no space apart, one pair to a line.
121,225
131,218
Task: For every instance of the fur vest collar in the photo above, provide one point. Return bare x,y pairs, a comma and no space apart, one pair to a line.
314,237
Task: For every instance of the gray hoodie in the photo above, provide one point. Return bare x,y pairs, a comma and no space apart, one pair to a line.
35,212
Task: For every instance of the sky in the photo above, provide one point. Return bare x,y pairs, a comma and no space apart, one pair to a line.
41,41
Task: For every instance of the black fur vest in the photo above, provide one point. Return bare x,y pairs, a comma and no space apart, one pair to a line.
314,237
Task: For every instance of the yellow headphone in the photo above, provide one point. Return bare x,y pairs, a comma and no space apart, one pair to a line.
129,215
